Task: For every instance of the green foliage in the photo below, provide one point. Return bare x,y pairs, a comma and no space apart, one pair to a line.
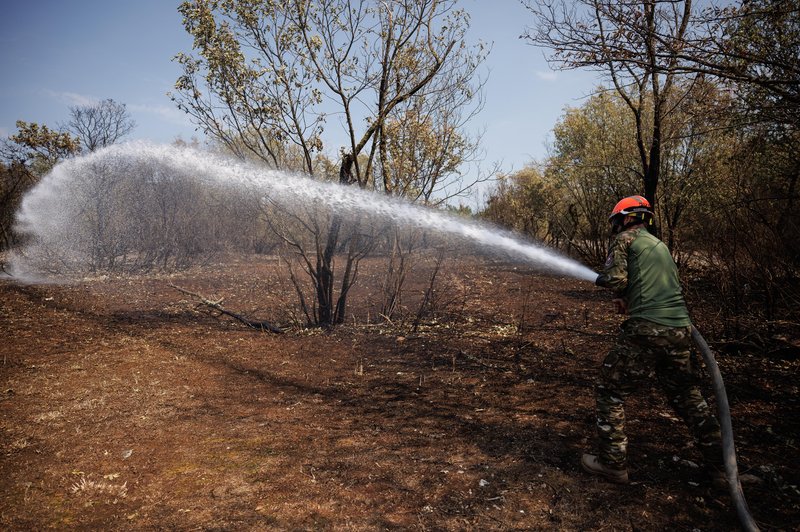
755,46
523,202
26,157
726,205
38,147
636,46
262,70
755,228
593,163
462,210
418,152
257,104
754,49
695,168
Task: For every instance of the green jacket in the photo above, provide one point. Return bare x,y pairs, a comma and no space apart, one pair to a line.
640,269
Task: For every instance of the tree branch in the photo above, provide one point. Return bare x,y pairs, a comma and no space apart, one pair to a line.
217,305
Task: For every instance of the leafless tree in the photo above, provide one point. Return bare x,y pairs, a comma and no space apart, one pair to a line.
101,124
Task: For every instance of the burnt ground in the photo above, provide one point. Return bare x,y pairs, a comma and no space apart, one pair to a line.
124,407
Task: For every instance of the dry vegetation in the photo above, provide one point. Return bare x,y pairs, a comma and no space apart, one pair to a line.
126,408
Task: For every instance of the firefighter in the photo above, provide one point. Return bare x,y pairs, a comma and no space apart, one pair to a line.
655,340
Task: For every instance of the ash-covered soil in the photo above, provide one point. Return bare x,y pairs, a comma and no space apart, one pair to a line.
125,407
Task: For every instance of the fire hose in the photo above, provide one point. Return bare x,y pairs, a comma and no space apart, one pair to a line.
728,448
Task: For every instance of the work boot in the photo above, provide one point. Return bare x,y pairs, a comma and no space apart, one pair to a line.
591,464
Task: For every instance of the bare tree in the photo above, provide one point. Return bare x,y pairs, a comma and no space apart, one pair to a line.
99,125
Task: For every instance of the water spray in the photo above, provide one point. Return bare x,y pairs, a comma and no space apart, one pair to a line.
53,213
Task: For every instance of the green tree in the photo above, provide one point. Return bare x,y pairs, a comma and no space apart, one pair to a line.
636,46
698,149
592,164
24,158
419,148
753,46
39,147
523,202
753,49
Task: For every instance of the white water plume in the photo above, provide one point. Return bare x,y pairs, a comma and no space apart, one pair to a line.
79,213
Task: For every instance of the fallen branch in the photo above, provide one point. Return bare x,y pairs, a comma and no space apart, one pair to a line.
217,305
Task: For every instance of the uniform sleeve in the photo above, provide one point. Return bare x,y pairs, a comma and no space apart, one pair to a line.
615,272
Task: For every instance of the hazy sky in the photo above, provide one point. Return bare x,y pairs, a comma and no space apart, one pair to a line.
55,54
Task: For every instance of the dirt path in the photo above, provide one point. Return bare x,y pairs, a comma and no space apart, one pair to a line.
125,409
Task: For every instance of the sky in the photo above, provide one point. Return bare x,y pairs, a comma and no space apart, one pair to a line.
56,54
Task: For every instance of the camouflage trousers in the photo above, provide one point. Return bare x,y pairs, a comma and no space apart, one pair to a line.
645,349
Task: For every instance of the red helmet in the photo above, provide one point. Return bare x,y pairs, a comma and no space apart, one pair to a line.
631,205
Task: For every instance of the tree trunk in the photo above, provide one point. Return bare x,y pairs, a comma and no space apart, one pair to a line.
330,313
325,278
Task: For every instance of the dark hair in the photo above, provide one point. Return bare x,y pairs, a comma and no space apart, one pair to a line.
642,217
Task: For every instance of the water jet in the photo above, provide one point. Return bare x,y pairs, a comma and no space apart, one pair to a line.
94,210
